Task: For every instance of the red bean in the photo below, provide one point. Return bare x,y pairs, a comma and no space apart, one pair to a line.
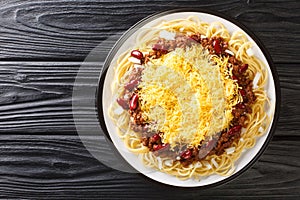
157,47
160,48
131,84
123,103
186,154
157,147
243,68
210,144
137,54
134,102
217,46
156,137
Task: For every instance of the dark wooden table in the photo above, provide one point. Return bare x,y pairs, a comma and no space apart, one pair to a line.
42,45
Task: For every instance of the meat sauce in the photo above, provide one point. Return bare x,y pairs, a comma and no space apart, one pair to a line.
220,141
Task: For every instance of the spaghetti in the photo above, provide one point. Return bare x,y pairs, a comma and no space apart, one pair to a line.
190,98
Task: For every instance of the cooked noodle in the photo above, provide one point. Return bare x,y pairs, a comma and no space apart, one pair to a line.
258,120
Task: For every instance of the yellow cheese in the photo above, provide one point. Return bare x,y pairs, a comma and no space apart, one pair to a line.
188,94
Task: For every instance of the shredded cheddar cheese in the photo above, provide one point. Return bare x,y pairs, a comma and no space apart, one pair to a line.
188,94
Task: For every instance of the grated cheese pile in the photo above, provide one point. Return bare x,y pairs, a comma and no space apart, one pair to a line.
188,95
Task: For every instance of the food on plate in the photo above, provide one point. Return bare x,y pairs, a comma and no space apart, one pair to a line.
190,98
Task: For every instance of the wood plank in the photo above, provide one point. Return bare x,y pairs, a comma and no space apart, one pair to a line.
36,98
60,167
41,154
68,30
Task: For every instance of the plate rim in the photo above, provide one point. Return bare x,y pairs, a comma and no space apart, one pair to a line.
266,54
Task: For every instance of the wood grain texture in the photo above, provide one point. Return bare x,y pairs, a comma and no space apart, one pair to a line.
42,45
37,98
60,167
68,30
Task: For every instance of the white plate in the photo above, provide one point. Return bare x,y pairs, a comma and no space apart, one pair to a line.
126,42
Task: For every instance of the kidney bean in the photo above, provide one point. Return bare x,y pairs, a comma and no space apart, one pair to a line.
134,102
156,137
217,46
160,48
157,147
210,144
157,47
186,154
131,84
123,103
137,54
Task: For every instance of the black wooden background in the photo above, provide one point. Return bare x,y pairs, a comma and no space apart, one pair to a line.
42,45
